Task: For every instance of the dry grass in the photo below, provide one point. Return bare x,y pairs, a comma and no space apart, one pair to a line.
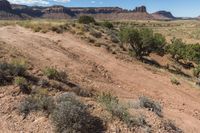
188,30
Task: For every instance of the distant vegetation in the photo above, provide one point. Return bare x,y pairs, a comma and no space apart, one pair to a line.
86,20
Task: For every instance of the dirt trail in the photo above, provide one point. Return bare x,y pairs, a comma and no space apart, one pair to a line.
95,68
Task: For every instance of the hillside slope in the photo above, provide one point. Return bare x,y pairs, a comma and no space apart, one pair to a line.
94,68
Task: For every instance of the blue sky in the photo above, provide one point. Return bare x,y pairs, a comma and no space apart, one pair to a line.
180,8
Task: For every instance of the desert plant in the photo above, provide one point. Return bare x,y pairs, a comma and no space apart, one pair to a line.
37,102
51,73
196,71
177,49
180,50
59,28
142,41
170,127
86,19
175,81
111,104
70,116
108,24
95,34
23,85
151,105
18,67
54,74
9,71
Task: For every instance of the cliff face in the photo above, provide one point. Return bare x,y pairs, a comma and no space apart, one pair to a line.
163,15
140,9
60,12
5,5
6,11
97,10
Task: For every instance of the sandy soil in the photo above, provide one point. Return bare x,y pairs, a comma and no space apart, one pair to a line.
95,68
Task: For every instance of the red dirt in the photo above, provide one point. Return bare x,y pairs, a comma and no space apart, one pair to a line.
95,68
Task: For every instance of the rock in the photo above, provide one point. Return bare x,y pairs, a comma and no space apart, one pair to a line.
140,9
5,5
161,15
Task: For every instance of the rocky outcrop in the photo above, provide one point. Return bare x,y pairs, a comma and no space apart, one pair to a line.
57,12
97,10
140,9
60,12
6,11
163,15
5,5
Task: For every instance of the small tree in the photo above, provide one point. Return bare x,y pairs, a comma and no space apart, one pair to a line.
187,52
177,49
142,41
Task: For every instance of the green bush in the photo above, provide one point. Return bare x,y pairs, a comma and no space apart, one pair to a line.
108,24
86,20
112,105
71,116
23,85
54,74
196,71
177,49
20,81
142,41
151,105
51,73
187,52
9,71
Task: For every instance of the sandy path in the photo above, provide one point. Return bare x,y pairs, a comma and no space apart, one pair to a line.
94,67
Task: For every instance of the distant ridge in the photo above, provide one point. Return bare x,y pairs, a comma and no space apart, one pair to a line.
163,15
15,11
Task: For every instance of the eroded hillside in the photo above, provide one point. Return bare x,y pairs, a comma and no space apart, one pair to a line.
90,69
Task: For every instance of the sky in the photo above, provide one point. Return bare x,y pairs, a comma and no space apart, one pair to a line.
179,8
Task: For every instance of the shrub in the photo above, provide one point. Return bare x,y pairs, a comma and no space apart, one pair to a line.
170,127
114,39
23,84
175,81
86,19
142,41
112,105
54,74
37,28
196,71
72,116
59,28
18,67
20,81
9,71
95,34
108,24
37,102
51,73
177,49
180,50
151,105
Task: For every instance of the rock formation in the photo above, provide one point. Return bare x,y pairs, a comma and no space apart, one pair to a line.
163,15
5,5
15,11
140,9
